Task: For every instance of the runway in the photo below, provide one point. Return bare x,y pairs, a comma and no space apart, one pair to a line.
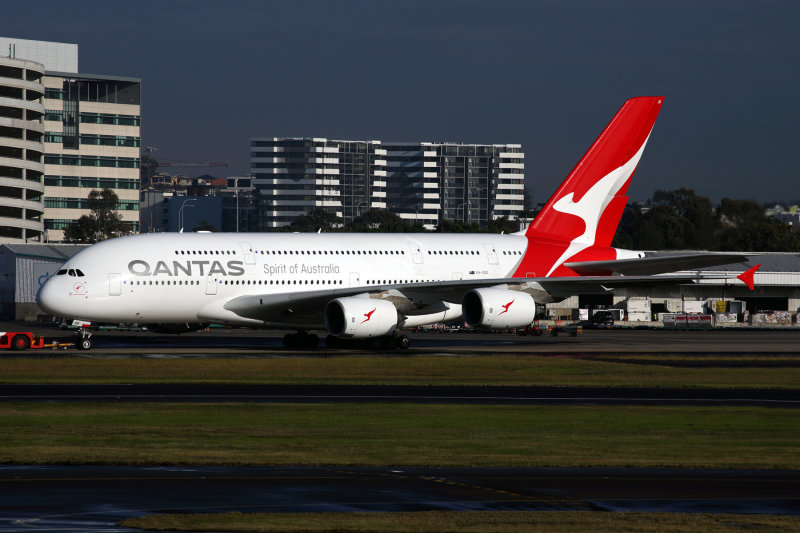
63,498
215,393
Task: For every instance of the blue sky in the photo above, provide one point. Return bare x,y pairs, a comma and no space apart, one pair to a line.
546,74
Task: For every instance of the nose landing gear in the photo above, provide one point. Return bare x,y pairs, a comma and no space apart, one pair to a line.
85,342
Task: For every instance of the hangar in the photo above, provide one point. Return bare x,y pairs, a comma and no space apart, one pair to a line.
23,269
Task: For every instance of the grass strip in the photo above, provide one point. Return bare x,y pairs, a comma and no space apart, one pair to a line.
394,370
466,522
399,435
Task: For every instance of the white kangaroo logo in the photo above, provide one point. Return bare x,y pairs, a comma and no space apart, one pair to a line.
592,205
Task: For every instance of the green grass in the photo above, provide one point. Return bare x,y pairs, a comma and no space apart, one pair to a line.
399,434
398,370
467,522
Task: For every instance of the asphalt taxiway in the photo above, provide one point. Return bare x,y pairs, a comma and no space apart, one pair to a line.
430,394
63,498
255,343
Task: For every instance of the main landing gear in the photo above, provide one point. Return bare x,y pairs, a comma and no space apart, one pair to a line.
308,341
301,339
385,342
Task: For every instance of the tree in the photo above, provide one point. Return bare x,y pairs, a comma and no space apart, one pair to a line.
745,226
457,226
104,222
315,220
383,221
502,225
205,225
697,211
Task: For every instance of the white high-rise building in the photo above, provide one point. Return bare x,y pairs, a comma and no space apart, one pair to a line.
421,182
294,176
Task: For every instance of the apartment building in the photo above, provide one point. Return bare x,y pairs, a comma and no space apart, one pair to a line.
421,182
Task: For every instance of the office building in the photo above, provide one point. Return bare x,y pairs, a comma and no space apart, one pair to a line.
91,135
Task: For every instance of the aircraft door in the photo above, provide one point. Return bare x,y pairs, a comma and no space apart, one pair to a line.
491,253
247,251
211,285
114,284
355,279
416,253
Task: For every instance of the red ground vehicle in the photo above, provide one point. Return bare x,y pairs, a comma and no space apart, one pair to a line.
22,340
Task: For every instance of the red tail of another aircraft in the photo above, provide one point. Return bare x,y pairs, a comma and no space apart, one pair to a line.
579,221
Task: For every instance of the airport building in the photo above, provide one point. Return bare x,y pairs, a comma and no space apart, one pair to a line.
92,126
423,182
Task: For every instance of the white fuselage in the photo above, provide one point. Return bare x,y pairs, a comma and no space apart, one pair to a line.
180,277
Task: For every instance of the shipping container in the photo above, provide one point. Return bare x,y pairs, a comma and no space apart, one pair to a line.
736,306
636,316
638,305
693,306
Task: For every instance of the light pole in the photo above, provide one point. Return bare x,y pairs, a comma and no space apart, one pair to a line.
180,212
236,184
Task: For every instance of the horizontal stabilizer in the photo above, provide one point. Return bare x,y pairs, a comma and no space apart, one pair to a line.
662,264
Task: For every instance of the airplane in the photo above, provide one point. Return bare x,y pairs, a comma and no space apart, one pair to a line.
370,286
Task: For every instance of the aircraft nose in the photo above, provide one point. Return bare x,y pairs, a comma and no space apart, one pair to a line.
50,299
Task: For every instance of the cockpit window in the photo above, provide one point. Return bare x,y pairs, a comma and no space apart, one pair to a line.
61,272
71,272
78,272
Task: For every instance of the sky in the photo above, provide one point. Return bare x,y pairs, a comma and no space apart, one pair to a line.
545,74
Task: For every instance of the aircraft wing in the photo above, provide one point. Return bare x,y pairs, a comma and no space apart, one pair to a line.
305,309
658,264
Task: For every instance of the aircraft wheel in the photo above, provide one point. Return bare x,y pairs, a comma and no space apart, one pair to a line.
20,342
310,341
333,342
290,340
85,344
402,342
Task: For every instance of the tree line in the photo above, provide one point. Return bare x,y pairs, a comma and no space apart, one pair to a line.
683,220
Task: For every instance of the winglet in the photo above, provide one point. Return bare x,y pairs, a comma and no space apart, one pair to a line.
747,276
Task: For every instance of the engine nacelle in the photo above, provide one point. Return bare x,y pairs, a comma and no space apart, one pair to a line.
360,318
498,308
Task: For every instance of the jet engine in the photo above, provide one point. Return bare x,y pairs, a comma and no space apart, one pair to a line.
498,308
360,318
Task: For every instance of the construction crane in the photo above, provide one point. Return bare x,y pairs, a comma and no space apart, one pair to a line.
151,164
